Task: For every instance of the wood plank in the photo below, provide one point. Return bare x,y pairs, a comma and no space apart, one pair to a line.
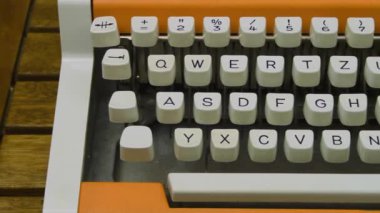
44,16
21,204
41,57
12,26
23,163
32,107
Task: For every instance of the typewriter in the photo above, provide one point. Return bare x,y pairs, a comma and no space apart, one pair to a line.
216,106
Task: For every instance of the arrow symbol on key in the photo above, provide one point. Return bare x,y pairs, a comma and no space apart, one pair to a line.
117,57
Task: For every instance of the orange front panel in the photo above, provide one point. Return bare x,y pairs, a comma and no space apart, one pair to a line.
123,10
100,197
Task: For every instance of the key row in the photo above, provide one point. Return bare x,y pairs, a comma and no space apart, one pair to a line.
306,70
318,109
136,144
252,31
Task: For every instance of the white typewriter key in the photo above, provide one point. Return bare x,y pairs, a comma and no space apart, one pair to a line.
324,32
377,109
116,65
288,31
279,108
360,32
216,31
372,72
270,70
224,145
252,31
306,70
207,107
242,108
335,145
144,31
104,32
369,146
161,70
352,109
234,70
299,145
188,144
262,145
343,71
181,31
122,107
136,144
198,70
318,109
170,107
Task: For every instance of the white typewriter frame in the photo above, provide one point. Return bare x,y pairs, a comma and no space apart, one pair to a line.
71,113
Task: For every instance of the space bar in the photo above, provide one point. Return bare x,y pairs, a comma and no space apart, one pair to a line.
265,187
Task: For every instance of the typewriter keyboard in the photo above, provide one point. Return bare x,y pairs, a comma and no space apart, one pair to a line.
196,111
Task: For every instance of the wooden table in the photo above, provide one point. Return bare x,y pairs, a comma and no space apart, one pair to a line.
25,144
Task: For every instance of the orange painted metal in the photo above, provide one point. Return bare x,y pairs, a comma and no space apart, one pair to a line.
123,10
100,197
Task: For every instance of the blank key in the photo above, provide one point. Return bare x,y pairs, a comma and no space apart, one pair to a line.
122,107
136,144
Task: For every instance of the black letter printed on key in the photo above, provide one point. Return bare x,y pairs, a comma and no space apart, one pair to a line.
262,141
337,140
169,101
320,103
224,138
207,101
243,102
188,137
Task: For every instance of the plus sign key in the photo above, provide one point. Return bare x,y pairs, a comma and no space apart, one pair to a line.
104,32
144,31
224,145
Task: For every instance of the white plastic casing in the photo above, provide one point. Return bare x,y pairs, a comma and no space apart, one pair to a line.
70,123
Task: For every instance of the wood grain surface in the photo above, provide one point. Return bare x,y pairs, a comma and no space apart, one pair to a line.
23,164
32,107
11,31
21,204
41,57
44,16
